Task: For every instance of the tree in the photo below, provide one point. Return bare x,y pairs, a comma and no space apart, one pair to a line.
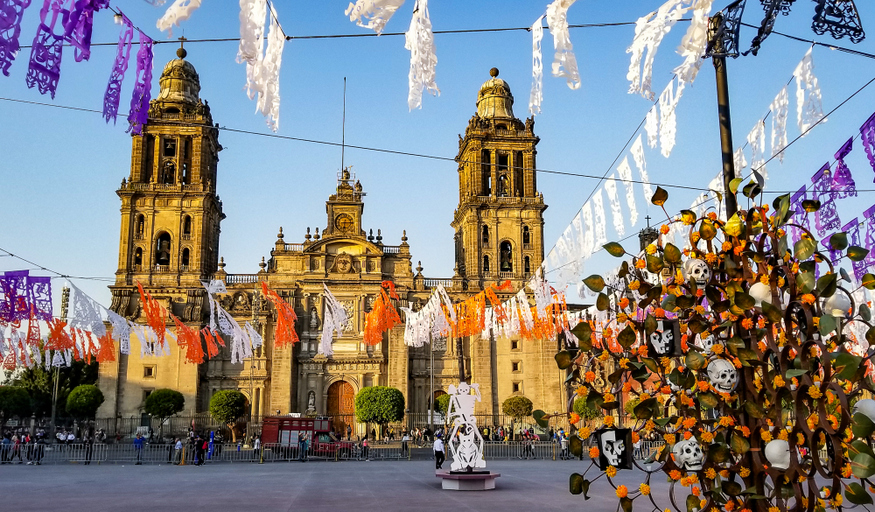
39,384
226,406
379,404
13,402
517,407
162,404
584,411
83,401
441,404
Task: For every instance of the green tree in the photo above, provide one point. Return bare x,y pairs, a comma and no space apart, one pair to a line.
584,411
517,407
13,402
39,384
379,404
226,406
83,401
162,404
441,404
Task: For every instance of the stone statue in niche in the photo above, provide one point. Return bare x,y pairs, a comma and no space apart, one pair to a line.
311,401
314,318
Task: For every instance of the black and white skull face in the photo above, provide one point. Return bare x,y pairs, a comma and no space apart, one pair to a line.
723,375
661,341
696,270
688,454
705,342
612,448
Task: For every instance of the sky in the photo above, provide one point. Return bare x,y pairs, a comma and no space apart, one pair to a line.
60,168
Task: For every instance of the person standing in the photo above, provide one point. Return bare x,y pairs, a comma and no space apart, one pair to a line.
365,448
256,445
348,432
89,447
138,447
405,439
302,447
439,456
563,444
177,452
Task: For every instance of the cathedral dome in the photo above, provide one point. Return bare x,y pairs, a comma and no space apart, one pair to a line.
179,81
495,99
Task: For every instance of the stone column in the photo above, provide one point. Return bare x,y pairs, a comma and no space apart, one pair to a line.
321,399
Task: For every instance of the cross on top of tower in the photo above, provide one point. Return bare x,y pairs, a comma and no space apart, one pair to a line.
648,220
181,53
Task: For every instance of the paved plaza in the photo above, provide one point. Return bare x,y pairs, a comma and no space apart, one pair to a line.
313,486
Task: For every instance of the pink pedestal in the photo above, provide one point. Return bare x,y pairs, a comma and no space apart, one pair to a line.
466,481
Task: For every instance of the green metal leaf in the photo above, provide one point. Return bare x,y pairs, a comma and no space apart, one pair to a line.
650,364
645,409
602,303
805,282
563,359
650,325
846,365
857,494
627,337
695,360
744,301
542,422
868,282
707,231
595,283
659,197
575,445
708,399
865,313
827,285
672,254
754,410
838,241
688,216
615,249
798,372
719,453
862,426
734,184
804,248
870,336
575,483
783,245
751,190
739,443
654,264
692,503
773,313
863,465
685,301
781,205
827,324
626,504
732,488
811,205
857,253
583,333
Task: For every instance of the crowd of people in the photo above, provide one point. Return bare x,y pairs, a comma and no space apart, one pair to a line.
23,448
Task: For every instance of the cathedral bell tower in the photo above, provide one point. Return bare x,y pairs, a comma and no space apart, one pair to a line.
170,212
345,208
499,221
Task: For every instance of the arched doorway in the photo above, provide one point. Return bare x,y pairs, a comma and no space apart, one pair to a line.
341,406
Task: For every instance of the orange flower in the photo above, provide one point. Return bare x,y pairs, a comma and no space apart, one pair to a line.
738,250
611,471
645,489
696,491
642,351
659,313
688,435
640,263
593,452
712,216
744,472
747,323
608,421
624,303
726,246
574,418
674,474
669,438
710,474
622,491
635,437
664,229
808,299
689,423
707,436
589,376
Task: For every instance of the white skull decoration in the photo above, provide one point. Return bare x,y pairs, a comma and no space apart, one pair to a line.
696,270
688,454
706,342
723,375
612,447
778,453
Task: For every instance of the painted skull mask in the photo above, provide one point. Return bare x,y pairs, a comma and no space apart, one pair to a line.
696,270
613,447
688,454
723,375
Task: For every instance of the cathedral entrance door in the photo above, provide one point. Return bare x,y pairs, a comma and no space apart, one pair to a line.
341,406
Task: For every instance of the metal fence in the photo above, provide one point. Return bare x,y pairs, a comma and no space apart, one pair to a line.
157,453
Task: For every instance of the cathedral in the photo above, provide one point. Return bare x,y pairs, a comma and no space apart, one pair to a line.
169,243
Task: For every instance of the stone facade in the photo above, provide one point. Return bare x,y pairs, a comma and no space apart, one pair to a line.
169,243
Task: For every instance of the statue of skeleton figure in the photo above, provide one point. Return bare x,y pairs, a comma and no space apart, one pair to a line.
465,441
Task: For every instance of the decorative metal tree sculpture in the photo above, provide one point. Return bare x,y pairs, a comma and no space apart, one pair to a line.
754,400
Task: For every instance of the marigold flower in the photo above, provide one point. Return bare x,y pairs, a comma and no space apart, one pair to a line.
747,323
837,501
642,351
627,386
761,322
611,471
635,437
665,390
782,435
764,278
685,481
622,491
730,506
766,435
745,431
659,313
846,471
695,236
644,396
814,392
710,474
634,285
738,249
584,432
674,474
624,362
664,229
744,472
651,249
640,263
688,435
645,489
593,452
574,418
712,216
608,421
717,348
707,436
726,246
724,473
609,397
624,303
774,509
703,385
669,438
689,423
778,381
808,298
696,492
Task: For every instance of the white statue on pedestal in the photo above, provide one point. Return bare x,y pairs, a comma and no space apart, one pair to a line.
465,441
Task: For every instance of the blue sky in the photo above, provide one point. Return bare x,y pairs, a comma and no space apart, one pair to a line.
60,168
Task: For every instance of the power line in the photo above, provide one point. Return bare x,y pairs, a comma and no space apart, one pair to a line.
58,274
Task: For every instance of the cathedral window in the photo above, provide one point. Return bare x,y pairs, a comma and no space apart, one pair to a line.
485,264
486,171
169,147
526,238
138,258
185,258
527,266
140,227
162,249
485,236
186,228
168,173
502,186
502,162
506,252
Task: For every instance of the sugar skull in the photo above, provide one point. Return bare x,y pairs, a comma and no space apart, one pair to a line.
688,454
696,270
723,375
706,341
778,453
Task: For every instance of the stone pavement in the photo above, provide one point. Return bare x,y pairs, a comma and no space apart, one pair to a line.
540,485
